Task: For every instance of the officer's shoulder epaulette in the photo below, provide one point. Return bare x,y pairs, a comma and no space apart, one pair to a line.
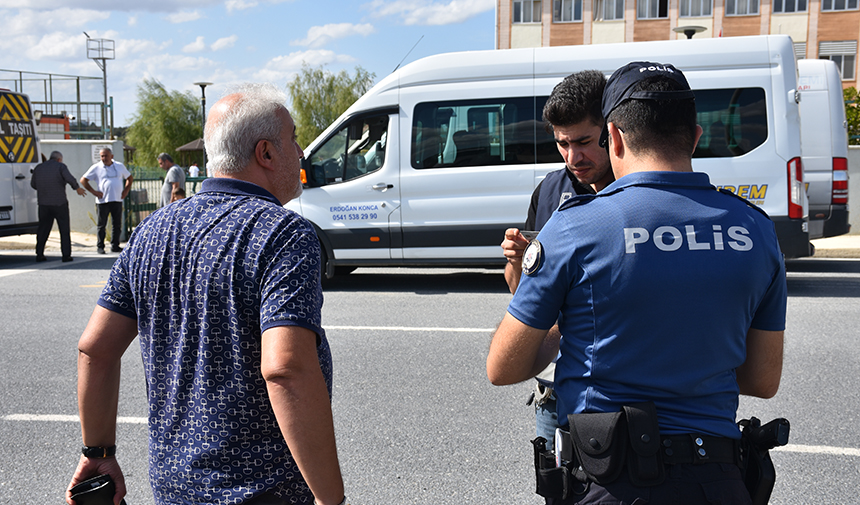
749,203
579,200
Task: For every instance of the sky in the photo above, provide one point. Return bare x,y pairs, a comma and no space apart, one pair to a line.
226,42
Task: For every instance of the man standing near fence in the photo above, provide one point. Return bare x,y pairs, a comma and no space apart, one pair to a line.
175,178
108,175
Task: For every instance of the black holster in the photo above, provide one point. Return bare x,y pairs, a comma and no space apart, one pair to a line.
757,468
597,449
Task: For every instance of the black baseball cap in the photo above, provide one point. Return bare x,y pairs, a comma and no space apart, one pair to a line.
619,88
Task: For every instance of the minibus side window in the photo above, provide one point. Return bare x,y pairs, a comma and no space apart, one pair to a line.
355,150
545,148
733,121
472,133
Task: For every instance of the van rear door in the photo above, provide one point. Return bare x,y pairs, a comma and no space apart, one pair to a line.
824,144
19,153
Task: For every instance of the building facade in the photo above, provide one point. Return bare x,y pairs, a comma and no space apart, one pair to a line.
826,29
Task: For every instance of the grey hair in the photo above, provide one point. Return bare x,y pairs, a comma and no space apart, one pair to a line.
164,157
231,139
56,155
106,149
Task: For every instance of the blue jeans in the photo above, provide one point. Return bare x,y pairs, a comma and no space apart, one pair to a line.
546,420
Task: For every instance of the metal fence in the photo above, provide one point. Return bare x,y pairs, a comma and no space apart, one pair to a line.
144,198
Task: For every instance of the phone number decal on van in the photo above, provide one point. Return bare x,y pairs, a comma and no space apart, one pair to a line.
353,212
755,194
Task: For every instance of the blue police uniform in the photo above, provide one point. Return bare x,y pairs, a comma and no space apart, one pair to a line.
616,271
556,188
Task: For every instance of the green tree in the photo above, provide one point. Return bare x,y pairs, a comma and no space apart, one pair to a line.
164,121
318,97
852,114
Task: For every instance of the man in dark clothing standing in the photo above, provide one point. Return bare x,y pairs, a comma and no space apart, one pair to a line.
49,180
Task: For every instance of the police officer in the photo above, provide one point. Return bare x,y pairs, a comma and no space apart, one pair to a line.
573,116
665,290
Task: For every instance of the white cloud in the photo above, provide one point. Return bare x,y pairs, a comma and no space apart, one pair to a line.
319,36
283,68
195,47
132,21
240,5
130,48
30,22
57,46
425,12
224,43
184,17
110,5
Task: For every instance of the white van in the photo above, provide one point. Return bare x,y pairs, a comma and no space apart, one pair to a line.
824,145
433,163
19,154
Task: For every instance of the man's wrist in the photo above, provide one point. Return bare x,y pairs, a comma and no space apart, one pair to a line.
98,452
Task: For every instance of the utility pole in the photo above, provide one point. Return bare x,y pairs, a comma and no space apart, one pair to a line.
101,50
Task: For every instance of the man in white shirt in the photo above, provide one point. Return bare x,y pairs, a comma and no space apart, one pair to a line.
113,182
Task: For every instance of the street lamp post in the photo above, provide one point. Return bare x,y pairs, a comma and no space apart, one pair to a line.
203,102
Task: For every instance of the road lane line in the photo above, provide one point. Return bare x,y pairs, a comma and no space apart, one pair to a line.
806,449
67,419
819,449
410,328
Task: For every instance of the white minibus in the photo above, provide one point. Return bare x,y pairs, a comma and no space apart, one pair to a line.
431,165
824,146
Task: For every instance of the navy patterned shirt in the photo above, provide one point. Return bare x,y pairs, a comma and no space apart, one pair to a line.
204,278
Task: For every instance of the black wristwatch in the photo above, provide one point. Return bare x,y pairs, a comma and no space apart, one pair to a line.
98,452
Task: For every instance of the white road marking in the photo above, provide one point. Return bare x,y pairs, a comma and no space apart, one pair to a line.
819,449
410,328
67,419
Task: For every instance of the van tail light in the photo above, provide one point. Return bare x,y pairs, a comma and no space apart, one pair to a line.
304,176
840,181
795,189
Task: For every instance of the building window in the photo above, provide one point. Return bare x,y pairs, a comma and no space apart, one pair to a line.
608,10
787,6
743,7
526,11
800,50
845,62
566,10
843,53
838,5
695,8
652,9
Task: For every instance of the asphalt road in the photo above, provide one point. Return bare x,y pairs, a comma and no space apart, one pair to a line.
416,419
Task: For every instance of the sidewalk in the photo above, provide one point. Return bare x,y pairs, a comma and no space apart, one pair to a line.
846,246
81,242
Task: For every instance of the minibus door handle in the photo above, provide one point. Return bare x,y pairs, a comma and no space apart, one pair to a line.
382,186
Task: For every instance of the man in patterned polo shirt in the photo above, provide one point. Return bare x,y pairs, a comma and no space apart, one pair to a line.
224,290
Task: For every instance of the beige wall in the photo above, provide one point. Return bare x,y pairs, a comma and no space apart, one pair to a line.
78,156
795,26
525,35
607,32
